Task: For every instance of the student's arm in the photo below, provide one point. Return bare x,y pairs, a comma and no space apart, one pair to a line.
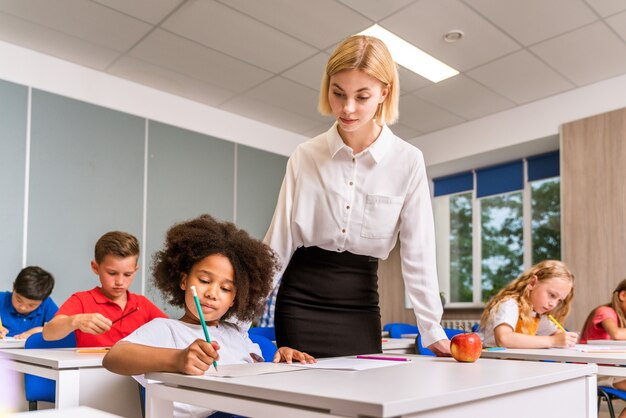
611,327
26,334
507,337
62,325
3,331
130,359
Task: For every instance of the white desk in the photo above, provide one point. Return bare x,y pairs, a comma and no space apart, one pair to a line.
425,387
608,363
398,345
80,379
76,412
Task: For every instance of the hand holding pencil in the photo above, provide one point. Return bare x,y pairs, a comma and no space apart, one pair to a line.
563,338
3,331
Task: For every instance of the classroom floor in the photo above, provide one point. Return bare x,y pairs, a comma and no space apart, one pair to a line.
618,405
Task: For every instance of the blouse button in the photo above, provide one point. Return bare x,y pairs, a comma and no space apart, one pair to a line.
351,183
348,207
343,230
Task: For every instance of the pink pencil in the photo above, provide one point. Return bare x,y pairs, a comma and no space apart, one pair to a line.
383,358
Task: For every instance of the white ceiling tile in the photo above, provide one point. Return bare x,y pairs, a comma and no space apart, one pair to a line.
423,116
56,44
409,81
196,61
464,97
319,23
169,81
520,77
233,33
424,23
286,94
230,51
531,21
376,9
586,55
152,11
607,7
309,72
403,131
618,23
269,114
86,20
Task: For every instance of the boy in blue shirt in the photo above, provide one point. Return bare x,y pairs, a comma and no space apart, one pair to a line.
25,310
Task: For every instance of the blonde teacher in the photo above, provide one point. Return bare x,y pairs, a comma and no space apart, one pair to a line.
348,195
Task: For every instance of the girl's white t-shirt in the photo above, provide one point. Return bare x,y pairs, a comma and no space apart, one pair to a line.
235,348
508,313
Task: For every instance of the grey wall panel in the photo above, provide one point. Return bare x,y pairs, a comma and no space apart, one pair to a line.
86,179
13,117
259,176
188,174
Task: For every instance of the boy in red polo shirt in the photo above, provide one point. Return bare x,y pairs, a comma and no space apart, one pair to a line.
104,315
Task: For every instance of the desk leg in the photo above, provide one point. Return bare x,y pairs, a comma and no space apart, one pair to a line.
592,395
157,406
67,389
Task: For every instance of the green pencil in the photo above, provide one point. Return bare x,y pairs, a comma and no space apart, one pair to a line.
201,317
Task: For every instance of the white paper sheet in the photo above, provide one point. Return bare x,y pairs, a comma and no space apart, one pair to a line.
608,342
10,342
584,348
250,369
349,363
254,369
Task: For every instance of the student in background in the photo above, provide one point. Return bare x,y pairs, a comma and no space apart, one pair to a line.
348,196
232,274
103,315
24,311
517,316
608,322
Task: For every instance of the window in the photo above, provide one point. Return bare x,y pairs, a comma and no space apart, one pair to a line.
494,223
461,262
502,241
546,219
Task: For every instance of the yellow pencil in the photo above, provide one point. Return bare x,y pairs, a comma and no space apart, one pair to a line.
103,350
556,323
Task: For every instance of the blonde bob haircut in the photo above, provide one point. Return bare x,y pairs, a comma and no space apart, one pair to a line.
371,56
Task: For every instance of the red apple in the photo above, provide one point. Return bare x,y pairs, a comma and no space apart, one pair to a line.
466,347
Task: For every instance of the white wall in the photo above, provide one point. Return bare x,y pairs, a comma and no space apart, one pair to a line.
30,68
526,130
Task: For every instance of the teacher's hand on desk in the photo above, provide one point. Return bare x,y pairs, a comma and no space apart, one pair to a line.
441,348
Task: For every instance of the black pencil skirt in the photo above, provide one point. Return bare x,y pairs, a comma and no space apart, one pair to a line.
327,304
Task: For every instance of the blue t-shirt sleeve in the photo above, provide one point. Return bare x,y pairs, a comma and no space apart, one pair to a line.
50,309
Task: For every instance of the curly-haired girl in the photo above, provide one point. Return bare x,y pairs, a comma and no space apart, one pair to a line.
232,273
517,316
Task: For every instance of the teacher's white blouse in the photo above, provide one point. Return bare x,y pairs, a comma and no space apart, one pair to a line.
361,203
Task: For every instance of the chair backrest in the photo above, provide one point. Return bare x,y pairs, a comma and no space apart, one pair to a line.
36,341
390,324
267,332
268,349
450,332
396,330
39,388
